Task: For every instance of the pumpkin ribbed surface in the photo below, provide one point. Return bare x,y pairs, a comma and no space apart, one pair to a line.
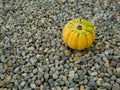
78,34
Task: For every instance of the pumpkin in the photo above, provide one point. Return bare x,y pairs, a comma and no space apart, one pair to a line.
78,34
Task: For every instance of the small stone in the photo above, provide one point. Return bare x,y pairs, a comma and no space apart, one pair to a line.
52,69
118,80
4,89
106,64
65,88
9,64
32,85
72,74
107,85
97,66
109,71
93,73
46,50
71,64
105,59
66,66
85,81
113,77
17,69
76,60
92,81
35,71
58,88
106,52
41,52
31,48
51,82
106,79
41,87
118,72
22,84
46,75
99,81
63,1
55,76
112,82
33,60
71,0
82,87
24,74
116,87
71,89
114,64
67,53
1,83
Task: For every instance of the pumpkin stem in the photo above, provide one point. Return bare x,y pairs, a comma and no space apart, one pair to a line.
79,27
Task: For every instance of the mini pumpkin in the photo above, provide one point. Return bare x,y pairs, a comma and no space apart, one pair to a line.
78,34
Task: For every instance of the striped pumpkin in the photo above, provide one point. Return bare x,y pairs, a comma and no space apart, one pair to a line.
78,34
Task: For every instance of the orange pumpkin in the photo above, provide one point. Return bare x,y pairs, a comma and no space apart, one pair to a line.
78,34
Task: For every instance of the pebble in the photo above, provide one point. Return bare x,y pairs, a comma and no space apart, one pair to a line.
71,89
9,64
46,75
92,81
67,53
32,85
41,87
114,64
1,83
93,73
118,80
51,82
82,87
99,81
105,59
55,76
58,88
113,77
118,72
72,74
107,85
33,60
76,60
22,84
106,64
116,87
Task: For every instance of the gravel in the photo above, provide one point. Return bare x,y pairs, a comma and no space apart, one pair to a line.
34,56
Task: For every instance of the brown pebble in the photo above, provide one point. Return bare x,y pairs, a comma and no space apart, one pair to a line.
41,52
106,64
114,64
82,87
9,64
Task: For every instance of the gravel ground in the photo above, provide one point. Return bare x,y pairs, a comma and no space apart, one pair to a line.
34,57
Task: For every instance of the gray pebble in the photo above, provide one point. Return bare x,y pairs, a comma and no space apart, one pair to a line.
116,87
58,88
107,85
72,74
22,84
51,82
33,60
92,81
113,77
55,76
46,75
32,85
118,80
